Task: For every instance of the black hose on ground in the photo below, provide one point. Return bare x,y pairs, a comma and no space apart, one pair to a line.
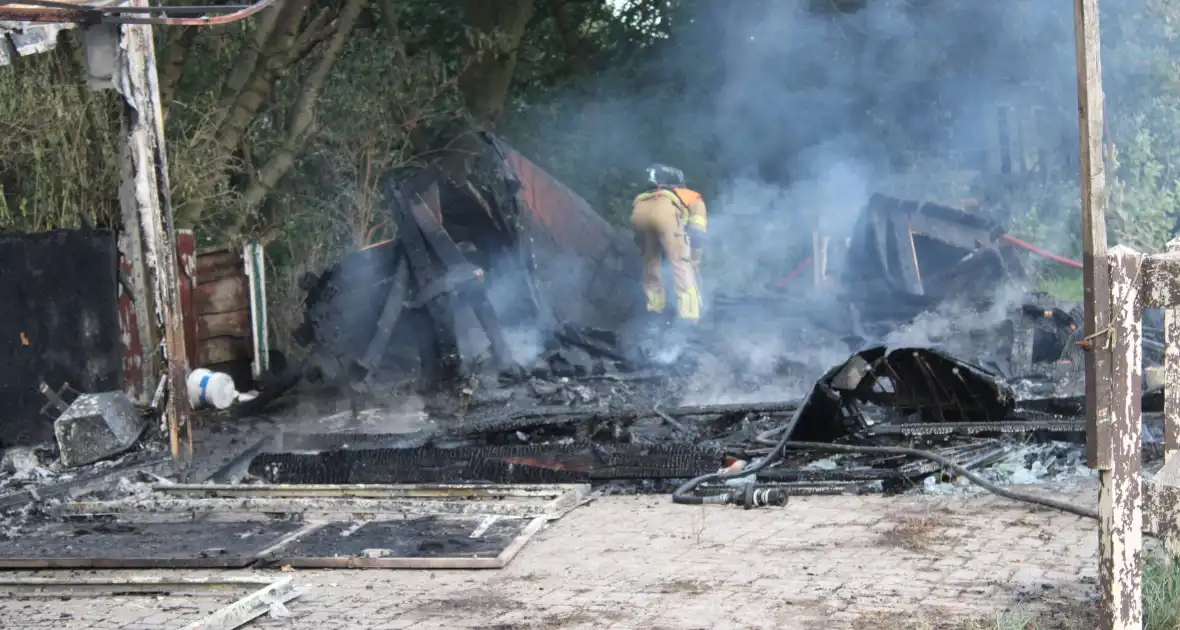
683,495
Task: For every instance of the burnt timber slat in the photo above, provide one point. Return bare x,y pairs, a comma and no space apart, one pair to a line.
222,350
217,264
567,463
438,345
222,296
223,316
474,294
395,302
132,545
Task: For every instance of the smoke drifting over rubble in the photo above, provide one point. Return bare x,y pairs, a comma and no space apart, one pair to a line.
808,112
788,117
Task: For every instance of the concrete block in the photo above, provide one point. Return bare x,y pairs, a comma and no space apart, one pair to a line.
97,426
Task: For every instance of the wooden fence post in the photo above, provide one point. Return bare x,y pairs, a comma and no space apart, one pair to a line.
1171,373
146,194
1120,505
1093,173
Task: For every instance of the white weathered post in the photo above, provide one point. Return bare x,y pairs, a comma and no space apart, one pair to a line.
1172,373
1120,499
819,257
146,196
1161,495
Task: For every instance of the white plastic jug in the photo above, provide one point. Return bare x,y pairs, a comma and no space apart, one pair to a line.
206,387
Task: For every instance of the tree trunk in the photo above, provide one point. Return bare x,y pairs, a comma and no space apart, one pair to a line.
247,60
301,127
250,84
172,66
490,60
575,45
276,56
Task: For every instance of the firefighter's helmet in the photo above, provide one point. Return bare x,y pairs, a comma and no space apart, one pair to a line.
665,176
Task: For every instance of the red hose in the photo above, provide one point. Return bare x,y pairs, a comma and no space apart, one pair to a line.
1041,252
794,273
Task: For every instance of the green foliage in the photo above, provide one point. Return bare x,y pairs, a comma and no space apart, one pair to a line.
59,155
1062,283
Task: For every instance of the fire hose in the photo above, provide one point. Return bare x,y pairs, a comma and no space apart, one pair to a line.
1007,238
751,497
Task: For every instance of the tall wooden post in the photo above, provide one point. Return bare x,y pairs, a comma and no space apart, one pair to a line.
146,196
1103,446
1093,172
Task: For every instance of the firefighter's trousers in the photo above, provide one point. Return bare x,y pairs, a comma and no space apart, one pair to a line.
660,234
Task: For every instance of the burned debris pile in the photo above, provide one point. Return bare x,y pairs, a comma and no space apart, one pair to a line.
940,348
506,306
476,265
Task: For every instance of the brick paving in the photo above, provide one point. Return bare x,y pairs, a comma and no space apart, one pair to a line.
641,562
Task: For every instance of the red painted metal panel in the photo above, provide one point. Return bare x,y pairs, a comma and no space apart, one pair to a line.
566,216
133,351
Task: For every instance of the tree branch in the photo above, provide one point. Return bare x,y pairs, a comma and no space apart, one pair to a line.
301,126
322,26
274,60
485,81
247,61
575,46
172,66
390,18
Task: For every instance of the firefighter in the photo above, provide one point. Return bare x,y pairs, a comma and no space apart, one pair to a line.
669,221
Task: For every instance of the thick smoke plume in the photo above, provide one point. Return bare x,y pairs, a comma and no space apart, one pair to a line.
788,115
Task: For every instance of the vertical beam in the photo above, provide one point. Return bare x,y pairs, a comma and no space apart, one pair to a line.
1172,374
146,188
1093,172
819,257
186,263
254,262
1120,498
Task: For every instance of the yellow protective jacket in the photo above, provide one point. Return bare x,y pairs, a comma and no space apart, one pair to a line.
690,203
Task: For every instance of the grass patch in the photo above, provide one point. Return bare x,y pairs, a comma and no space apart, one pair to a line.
1004,621
1065,284
1161,605
1161,592
916,532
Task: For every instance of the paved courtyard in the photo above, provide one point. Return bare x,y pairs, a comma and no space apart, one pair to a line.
642,562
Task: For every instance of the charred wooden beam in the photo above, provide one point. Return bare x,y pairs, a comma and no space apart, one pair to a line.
145,196
474,295
438,345
390,313
551,416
